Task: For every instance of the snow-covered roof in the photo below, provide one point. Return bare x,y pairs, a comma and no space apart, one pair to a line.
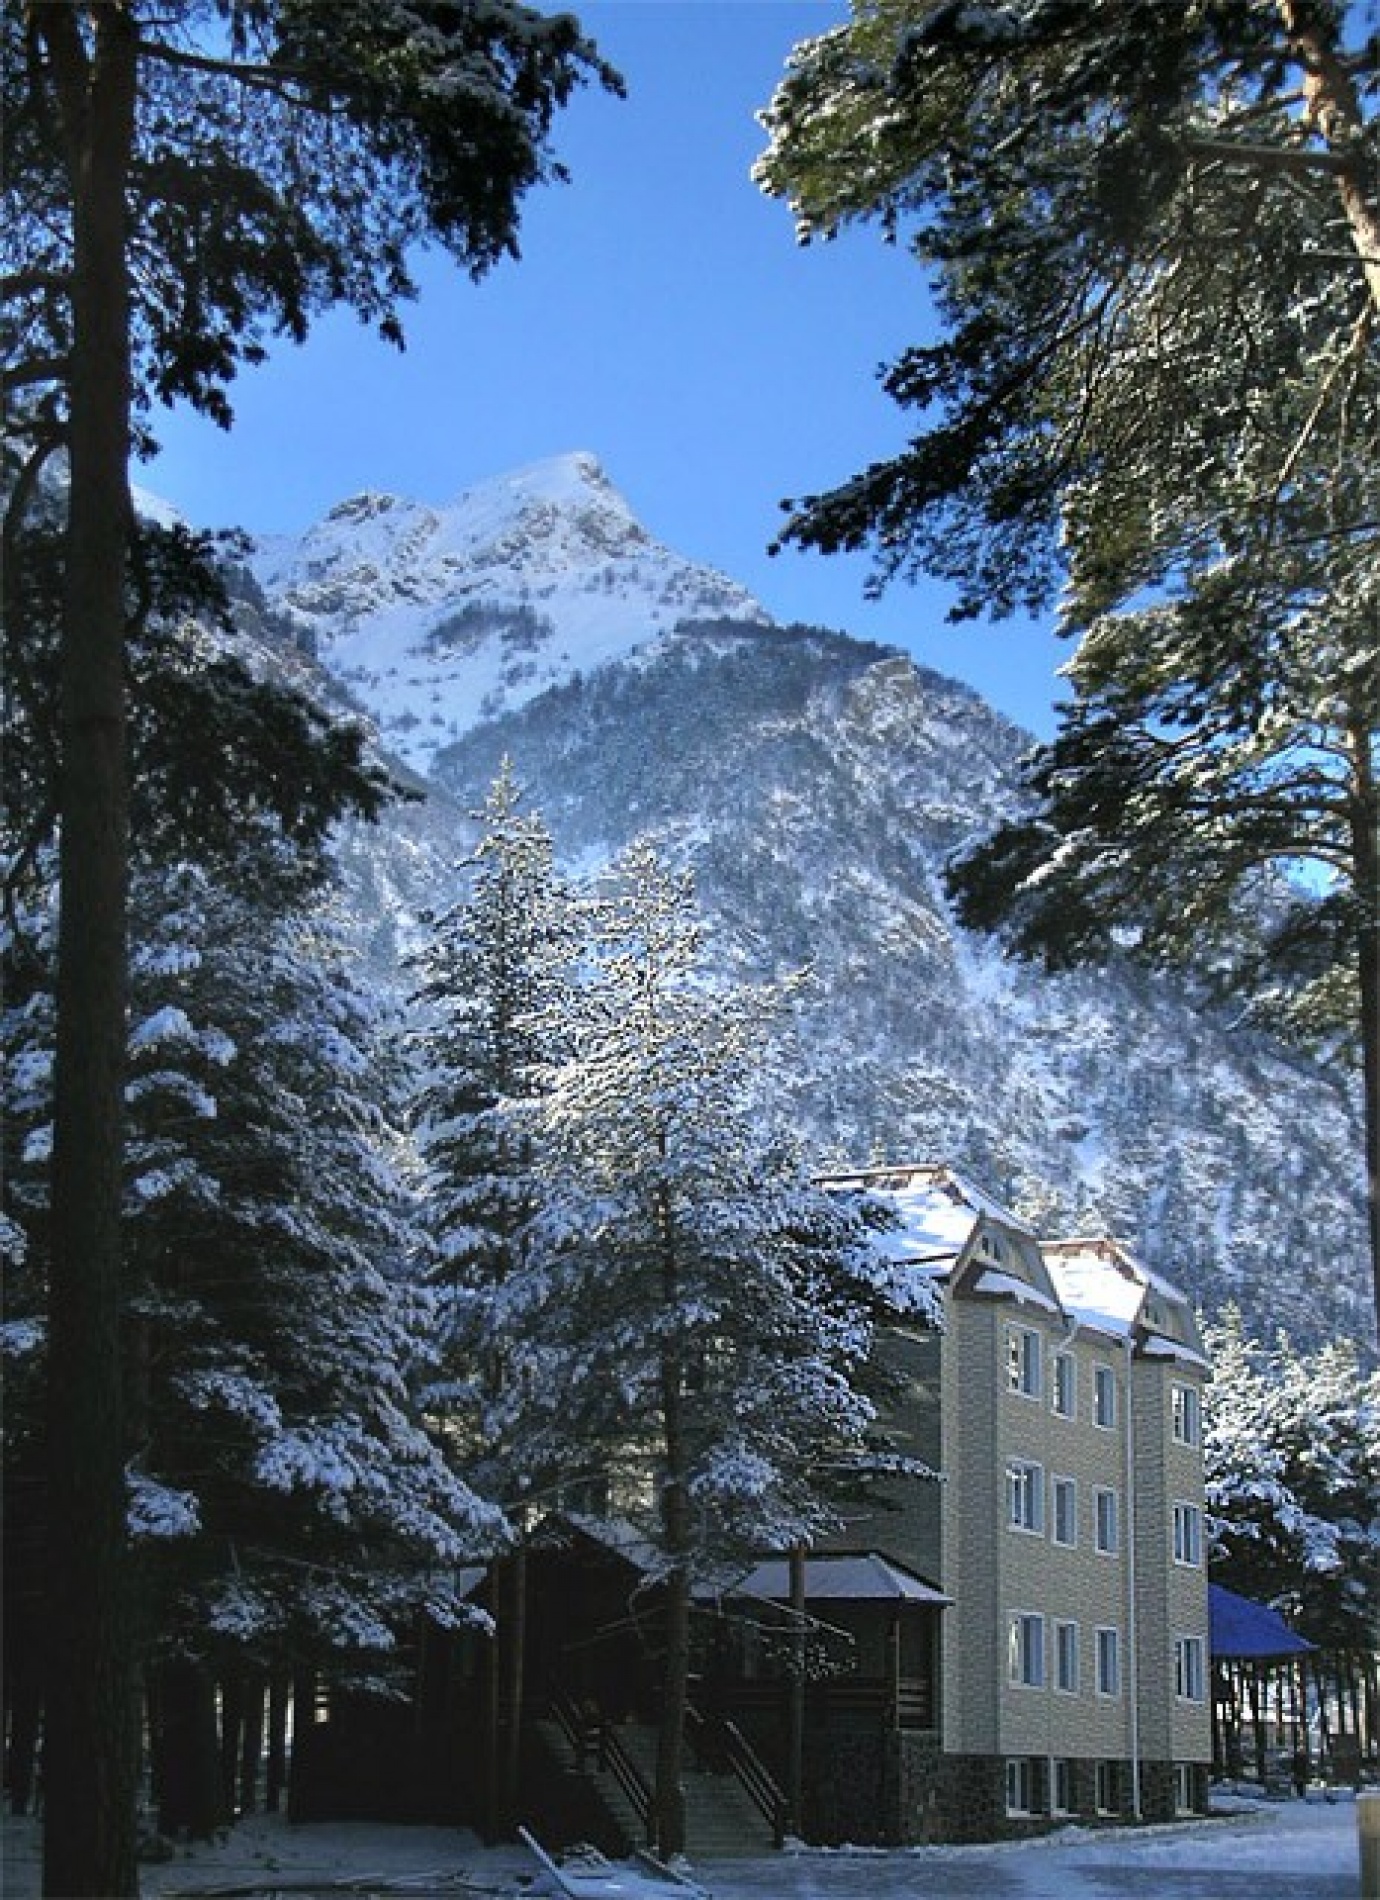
937,1208
945,1222
863,1577
1097,1284
1103,1286
1007,1286
615,1534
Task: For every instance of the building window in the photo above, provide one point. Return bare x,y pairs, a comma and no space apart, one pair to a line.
1065,1528
1025,1496
1108,1787
1106,1514
1023,1361
1186,1415
1185,1788
1061,1787
1066,1657
1026,1644
1064,1397
1108,1662
1104,1397
1020,1786
1188,1534
1188,1668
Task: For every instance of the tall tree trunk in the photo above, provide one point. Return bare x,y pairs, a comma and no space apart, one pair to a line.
251,1739
669,1794
24,1708
91,1735
1364,807
231,1699
191,1796
275,1777
1330,97
303,1718
669,1813
515,1671
493,1707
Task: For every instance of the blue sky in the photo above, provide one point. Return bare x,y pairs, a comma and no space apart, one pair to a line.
662,316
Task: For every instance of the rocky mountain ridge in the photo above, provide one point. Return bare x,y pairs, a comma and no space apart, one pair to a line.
437,617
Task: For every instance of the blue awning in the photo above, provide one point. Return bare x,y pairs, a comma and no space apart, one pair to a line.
1246,1630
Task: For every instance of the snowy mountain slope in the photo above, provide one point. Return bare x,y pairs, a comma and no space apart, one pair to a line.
436,617
1103,1100
818,785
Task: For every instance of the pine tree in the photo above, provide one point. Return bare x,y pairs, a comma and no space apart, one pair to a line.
239,783
491,975
180,180
285,1501
706,1315
1292,1449
1153,235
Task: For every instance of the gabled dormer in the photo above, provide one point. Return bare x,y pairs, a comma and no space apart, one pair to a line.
1003,1261
1104,1288
951,1232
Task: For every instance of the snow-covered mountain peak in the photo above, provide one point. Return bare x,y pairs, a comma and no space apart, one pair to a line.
437,617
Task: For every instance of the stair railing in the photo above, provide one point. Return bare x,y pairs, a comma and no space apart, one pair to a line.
593,1734
722,1741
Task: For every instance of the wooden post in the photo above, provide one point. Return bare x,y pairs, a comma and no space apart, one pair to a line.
894,1647
795,1759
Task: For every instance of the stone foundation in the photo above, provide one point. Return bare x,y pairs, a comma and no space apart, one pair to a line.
899,1789
850,1789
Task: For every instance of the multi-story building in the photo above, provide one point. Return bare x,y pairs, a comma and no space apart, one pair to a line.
1017,1637
1062,1404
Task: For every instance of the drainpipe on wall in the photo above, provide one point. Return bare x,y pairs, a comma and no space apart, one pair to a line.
1132,1630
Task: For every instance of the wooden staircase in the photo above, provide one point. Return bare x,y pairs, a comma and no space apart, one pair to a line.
722,1822
617,1765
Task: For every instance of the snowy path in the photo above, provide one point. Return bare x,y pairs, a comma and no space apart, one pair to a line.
1290,1851
1295,1851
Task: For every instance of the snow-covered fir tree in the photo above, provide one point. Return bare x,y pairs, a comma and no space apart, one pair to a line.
707,1313
490,976
287,1505
278,1286
1292,1448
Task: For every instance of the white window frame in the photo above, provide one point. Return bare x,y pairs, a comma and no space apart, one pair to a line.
1106,1518
1020,1785
1190,1669
1066,1646
1026,1665
1104,1398
1063,1386
1065,1487
1024,1362
1061,1785
1107,1787
1025,1496
1185,1788
1108,1652
1186,1415
1188,1534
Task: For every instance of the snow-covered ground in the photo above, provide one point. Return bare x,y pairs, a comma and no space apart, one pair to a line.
1293,1850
